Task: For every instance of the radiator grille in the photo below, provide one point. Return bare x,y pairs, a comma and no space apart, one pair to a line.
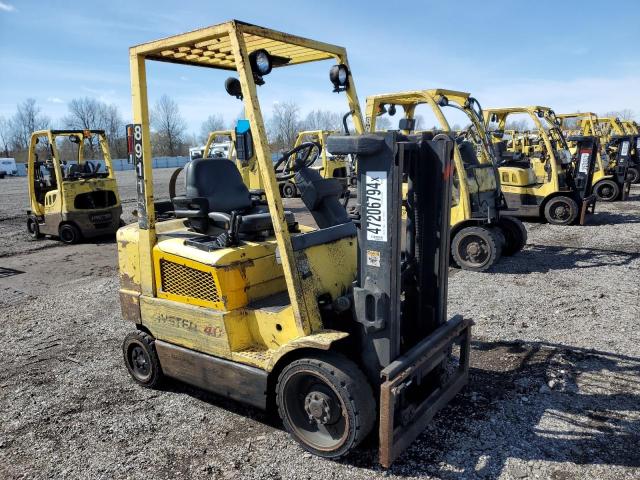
188,282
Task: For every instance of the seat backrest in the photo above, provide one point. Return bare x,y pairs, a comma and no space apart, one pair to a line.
219,181
468,154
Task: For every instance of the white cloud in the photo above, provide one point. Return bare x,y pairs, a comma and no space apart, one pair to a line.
54,100
5,7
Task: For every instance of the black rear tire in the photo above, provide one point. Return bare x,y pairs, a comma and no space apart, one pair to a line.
69,233
515,235
141,359
476,248
607,190
561,210
289,190
325,403
33,228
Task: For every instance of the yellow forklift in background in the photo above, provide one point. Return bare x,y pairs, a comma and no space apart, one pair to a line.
609,182
71,197
617,131
329,166
480,230
341,328
538,174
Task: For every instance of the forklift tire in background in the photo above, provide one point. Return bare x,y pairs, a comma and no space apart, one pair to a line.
515,235
561,211
33,228
476,248
289,190
633,175
607,191
141,359
325,389
69,233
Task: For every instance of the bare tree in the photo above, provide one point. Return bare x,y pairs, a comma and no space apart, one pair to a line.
84,114
284,124
322,120
170,126
212,123
113,125
624,114
383,123
517,125
26,120
5,135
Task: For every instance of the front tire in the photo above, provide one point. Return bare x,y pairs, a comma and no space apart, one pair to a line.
476,248
561,211
607,190
633,175
515,235
33,228
325,403
69,233
141,359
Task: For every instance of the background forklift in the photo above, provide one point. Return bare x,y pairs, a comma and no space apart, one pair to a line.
539,176
609,182
71,200
329,166
617,130
479,233
341,328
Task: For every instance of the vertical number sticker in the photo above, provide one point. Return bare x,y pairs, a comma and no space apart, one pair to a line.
584,163
624,151
376,206
138,163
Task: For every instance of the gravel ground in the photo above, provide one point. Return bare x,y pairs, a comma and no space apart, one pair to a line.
554,390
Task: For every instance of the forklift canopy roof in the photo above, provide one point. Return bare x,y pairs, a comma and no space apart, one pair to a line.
211,46
417,96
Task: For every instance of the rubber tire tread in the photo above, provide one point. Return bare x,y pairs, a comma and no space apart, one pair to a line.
348,379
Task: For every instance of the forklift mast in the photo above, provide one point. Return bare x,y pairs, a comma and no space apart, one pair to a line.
400,294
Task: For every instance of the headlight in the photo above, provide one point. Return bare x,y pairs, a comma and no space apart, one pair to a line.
260,62
339,76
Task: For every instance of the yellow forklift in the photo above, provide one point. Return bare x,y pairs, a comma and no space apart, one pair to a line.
72,198
631,128
617,131
609,182
480,230
540,178
340,328
329,166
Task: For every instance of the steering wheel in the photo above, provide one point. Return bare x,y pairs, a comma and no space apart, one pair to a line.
303,159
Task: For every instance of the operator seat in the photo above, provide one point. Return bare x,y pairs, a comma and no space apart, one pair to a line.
509,159
215,195
468,154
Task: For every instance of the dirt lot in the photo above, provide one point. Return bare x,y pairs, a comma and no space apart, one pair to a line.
554,392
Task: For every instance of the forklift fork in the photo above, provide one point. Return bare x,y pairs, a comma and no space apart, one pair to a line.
399,424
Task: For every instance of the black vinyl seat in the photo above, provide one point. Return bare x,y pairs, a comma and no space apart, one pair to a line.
215,194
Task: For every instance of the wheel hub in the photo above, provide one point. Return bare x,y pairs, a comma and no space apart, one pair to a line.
318,406
561,211
473,249
139,361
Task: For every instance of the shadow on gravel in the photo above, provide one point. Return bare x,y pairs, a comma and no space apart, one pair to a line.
544,258
610,218
525,401
590,415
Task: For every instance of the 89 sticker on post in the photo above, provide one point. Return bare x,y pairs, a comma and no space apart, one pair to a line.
376,206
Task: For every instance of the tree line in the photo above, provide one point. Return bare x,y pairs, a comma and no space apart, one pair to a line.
169,129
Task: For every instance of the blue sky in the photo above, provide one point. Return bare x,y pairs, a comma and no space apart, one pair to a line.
557,53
